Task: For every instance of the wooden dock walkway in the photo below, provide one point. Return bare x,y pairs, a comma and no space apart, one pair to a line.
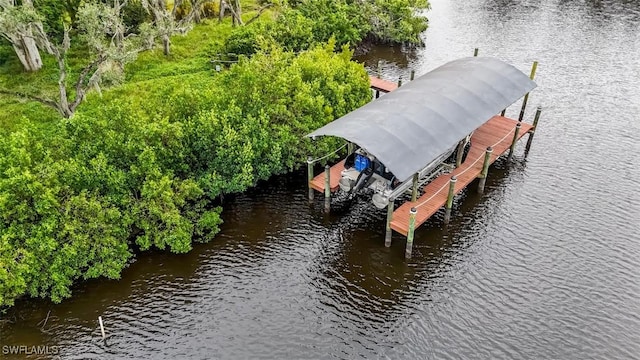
335,174
382,85
497,132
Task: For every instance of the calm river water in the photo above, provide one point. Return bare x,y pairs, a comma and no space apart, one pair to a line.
545,265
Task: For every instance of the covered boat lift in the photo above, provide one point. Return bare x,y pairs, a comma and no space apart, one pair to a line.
410,128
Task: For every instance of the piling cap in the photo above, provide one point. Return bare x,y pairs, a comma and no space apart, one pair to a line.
489,149
454,178
413,210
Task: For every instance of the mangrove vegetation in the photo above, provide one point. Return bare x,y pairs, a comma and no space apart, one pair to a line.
123,124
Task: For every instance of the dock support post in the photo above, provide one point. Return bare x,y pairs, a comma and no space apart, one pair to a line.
350,148
475,52
377,93
414,191
526,96
514,141
413,75
387,235
327,189
449,205
399,81
459,153
310,177
104,337
503,112
532,131
412,227
485,169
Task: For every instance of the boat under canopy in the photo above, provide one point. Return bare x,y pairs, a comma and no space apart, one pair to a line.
412,126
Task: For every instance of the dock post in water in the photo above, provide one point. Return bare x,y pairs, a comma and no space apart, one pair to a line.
449,205
387,236
412,228
399,81
104,337
310,177
413,75
532,131
526,96
459,153
475,52
515,140
327,189
485,169
414,191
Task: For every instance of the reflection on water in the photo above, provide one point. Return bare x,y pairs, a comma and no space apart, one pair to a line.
544,265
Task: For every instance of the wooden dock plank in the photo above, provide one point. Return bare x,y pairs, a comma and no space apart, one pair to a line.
334,176
382,85
497,132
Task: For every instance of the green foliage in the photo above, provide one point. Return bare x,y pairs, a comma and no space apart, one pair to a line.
54,16
310,22
396,21
145,171
134,15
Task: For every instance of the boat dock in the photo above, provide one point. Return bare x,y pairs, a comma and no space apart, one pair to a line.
495,137
499,134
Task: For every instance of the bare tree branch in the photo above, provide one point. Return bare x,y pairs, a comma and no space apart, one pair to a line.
83,81
260,11
23,95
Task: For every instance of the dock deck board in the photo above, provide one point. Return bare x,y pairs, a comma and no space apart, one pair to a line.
497,132
382,85
334,176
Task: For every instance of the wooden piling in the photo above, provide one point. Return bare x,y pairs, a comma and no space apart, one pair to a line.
532,131
450,196
412,227
327,189
399,81
310,177
526,96
515,140
102,328
377,94
459,153
485,169
503,112
413,75
350,148
387,236
475,52
414,191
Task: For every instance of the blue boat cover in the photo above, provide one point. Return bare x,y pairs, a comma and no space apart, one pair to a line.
415,124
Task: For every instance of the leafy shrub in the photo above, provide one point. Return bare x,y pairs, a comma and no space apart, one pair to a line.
142,166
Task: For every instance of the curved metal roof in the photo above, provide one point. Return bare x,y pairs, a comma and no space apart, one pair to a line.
413,125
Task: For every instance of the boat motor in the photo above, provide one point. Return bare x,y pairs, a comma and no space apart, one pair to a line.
364,176
380,201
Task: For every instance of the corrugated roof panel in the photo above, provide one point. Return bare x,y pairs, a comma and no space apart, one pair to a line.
413,125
